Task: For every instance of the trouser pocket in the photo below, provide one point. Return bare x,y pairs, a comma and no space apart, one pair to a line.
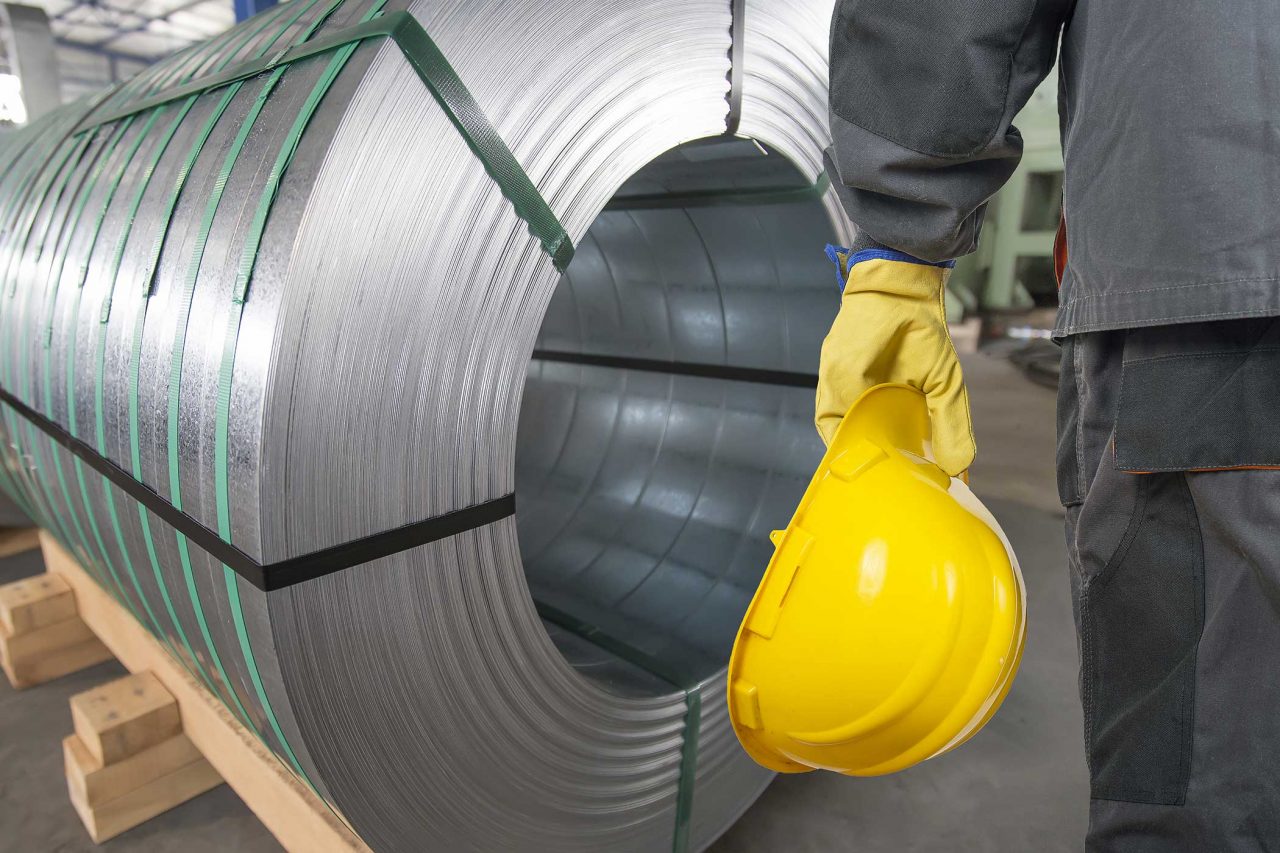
1141,613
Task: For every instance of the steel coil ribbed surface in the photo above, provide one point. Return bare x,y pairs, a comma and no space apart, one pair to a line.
10,515
298,309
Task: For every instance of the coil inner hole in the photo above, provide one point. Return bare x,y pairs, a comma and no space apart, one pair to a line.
666,424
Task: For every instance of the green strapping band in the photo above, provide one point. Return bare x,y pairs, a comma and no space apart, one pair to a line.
175,386
55,518
28,494
24,150
449,91
226,369
496,158
58,262
74,151
688,767
216,687
22,225
99,386
76,202
130,152
677,677
175,380
74,155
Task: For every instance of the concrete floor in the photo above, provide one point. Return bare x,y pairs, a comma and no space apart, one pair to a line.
1020,784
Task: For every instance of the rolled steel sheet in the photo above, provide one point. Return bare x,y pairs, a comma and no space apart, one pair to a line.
294,311
10,515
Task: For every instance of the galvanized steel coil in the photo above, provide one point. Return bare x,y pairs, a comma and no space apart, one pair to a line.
294,359
10,515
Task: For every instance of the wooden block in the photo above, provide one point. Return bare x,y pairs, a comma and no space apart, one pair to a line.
16,540
50,661
96,783
46,640
124,717
291,811
108,818
35,602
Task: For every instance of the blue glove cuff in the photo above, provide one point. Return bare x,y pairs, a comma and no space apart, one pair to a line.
844,261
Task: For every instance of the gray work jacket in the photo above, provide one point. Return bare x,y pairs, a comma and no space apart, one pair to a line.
1171,136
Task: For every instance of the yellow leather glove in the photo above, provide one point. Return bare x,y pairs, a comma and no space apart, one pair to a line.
892,327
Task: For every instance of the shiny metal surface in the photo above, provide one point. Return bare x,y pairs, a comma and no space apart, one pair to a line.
379,372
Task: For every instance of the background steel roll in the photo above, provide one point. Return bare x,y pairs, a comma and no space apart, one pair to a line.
298,308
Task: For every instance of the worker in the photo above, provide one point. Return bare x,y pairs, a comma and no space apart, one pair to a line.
1169,401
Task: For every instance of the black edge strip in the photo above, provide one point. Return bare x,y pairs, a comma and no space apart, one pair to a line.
738,8
758,375
673,674
286,572
344,556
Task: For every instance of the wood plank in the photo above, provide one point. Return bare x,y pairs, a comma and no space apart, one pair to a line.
46,640
97,783
16,540
114,816
123,717
298,818
35,602
29,670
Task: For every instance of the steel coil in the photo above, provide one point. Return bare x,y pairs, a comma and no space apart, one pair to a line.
10,515
284,330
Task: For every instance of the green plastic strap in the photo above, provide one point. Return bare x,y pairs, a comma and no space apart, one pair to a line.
175,380
93,168
449,91
21,222
27,495
117,259
99,385
79,198
230,339
674,675
54,518
113,185
216,687
175,391
29,173
16,203
688,767
181,66
25,149
57,260
86,189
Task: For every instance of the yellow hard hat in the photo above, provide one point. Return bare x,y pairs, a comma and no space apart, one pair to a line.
890,622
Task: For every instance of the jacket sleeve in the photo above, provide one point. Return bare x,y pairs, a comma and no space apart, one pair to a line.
923,95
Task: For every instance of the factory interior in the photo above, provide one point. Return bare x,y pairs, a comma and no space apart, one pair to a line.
439,539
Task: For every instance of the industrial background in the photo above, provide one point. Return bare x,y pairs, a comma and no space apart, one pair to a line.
1019,785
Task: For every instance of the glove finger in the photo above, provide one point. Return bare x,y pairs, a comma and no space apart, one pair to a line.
953,443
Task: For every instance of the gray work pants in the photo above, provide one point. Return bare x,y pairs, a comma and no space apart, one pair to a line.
1175,577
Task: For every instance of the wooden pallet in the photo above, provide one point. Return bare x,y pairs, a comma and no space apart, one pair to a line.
119,780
